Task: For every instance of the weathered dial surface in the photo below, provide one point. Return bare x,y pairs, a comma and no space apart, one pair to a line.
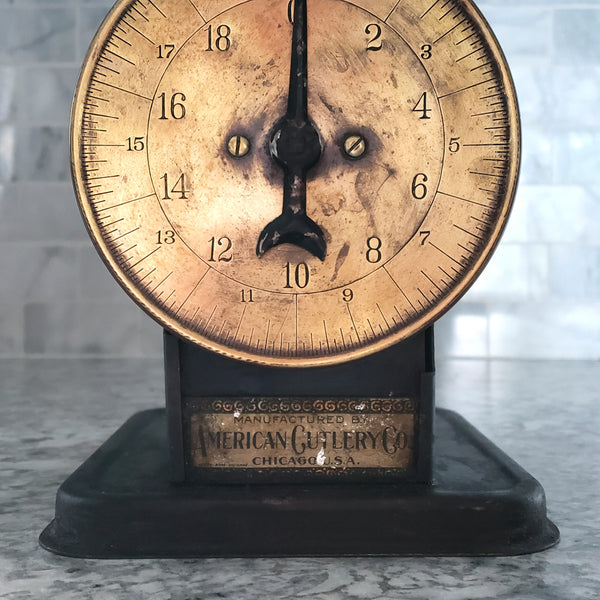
175,129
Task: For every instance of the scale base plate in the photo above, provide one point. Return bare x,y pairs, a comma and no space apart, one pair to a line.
120,504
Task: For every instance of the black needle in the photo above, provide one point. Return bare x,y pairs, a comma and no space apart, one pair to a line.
296,146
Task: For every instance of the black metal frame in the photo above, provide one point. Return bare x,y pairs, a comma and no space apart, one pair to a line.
120,504
404,371
133,498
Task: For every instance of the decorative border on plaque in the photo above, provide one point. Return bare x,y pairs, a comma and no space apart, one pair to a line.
303,405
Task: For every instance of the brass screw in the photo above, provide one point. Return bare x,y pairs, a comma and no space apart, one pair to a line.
238,146
355,145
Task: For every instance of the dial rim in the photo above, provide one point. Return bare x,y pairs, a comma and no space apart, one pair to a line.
161,316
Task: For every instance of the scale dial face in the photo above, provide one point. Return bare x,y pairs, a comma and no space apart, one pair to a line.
295,184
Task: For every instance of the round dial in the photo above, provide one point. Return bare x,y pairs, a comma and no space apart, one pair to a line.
295,183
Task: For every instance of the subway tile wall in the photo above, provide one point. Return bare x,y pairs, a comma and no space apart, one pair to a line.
538,298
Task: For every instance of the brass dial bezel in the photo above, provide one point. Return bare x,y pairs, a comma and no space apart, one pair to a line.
166,320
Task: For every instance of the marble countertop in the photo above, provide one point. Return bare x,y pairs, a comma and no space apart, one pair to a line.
543,414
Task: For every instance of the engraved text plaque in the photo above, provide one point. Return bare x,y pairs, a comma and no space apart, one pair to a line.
321,436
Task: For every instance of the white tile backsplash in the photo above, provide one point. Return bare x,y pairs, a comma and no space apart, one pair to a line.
538,298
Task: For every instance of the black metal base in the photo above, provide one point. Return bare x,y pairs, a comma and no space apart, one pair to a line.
120,504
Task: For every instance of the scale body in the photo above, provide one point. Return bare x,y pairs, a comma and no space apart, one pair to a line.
296,191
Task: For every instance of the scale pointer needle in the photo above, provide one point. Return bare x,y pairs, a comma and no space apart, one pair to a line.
296,147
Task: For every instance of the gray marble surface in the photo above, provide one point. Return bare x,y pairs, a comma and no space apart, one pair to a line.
544,414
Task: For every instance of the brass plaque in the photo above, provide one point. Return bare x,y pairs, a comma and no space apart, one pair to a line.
326,435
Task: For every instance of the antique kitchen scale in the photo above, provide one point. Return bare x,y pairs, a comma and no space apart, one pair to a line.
296,191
